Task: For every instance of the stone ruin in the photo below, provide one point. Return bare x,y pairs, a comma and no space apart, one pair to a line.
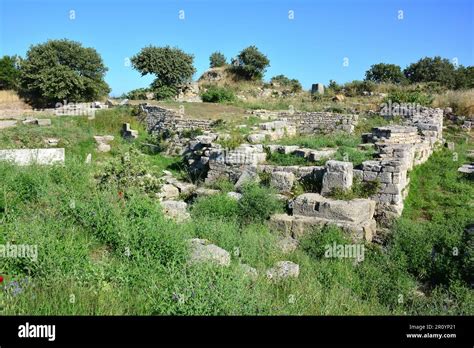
398,149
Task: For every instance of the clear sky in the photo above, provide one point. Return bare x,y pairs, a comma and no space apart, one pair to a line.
311,45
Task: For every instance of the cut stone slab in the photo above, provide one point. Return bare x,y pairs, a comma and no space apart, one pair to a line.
354,211
168,192
205,192
176,210
23,157
282,181
128,133
256,138
287,244
317,155
202,251
283,270
466,168
7,124
52,141
298,226
44,122
246,177
234,195
338,175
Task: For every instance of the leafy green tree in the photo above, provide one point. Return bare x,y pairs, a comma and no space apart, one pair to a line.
251,64
384,73
62,70
435,69
171,66
217,59
464,77
9,72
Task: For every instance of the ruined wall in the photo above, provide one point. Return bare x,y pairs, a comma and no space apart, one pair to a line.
313,122
400,148
159,119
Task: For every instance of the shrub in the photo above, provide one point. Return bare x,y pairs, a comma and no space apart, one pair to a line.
405,96
293,84
315,243
217,59
216,94
250,63
359,189
171,66
62,70
138,94
257,203
218,206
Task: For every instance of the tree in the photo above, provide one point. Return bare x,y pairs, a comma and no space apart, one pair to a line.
464,77
62,70
384,73
217,59
9,72
434,69
251,64
171,66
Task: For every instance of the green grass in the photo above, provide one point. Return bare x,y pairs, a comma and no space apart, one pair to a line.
101,252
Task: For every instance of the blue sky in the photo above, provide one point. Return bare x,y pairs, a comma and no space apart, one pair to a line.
310,47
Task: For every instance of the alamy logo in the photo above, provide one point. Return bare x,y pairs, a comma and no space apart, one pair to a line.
37,331
19,251
355,251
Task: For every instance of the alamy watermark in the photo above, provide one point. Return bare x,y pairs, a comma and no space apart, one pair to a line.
19,251
351,251
399,109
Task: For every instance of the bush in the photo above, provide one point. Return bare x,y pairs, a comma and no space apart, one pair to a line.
293,84
62,70
216,94
405,96
257,203
138,94
250,64
216,60
218,206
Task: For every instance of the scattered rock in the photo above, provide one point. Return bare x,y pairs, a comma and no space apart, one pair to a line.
7,124
234,195
287,244
202,251
168,192
338,98
103,142
246,177
44,122
249,271
51,141
283,270
23,157
88,159
176,210
205,192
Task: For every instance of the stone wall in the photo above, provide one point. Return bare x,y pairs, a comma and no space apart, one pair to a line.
313,122
399,148
159,119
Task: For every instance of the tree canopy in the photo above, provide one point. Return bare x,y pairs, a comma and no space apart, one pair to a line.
62,70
